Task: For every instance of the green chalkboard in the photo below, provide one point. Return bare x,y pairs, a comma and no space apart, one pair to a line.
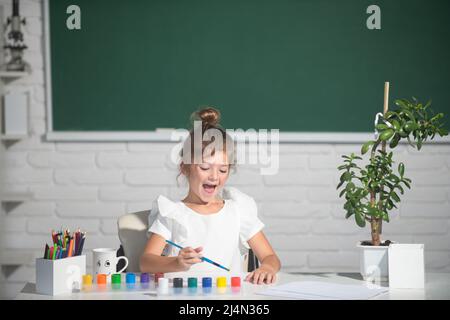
294,65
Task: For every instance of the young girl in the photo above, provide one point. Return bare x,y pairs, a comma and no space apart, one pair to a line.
205,223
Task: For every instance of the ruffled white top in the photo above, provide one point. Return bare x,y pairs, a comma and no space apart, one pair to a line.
223,235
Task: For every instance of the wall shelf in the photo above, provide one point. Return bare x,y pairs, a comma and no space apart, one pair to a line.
13,74
15,196
12,258
5,77
12,137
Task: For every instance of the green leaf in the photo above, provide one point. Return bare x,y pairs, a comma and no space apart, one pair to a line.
366,146
340,184
394,178
402,133
402,103
342,193
346,176
419,143
389,114
382,126
406,183
409,126
349,186
395,196
373,185
349,213
389,204
396,124
409,115
442,132
359,218
394,141
437,117
386,134
390,185
371,211
347,206
401,169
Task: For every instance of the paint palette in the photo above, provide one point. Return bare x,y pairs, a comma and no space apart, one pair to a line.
193,287
160,285
119,282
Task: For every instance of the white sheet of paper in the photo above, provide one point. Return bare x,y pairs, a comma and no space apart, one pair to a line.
324,290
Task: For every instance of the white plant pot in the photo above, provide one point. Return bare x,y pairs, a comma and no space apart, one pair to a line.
373,262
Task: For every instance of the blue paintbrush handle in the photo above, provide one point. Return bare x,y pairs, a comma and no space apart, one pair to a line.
203,258
174,244
215,263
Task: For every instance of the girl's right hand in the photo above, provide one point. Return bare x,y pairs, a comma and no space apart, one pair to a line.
188,257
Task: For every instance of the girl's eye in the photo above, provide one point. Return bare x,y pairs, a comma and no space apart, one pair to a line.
223,171
204,168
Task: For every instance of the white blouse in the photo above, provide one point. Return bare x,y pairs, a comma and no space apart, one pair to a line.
222,234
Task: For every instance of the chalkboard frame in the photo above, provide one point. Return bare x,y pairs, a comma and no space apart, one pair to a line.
166,134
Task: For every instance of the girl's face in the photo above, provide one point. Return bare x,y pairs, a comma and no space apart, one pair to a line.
207,178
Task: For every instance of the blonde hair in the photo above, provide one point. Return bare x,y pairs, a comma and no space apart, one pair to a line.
210,118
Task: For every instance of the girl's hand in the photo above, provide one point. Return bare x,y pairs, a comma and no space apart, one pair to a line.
188,257
262,275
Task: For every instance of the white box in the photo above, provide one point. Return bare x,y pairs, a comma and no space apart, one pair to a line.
15,111
55,277
406,266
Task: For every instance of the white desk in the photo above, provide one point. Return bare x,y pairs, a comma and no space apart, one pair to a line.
437,287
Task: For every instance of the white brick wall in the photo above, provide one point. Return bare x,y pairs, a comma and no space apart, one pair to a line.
89,185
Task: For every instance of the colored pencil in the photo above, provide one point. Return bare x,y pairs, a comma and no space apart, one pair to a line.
46,251
70,248
64,244
80,249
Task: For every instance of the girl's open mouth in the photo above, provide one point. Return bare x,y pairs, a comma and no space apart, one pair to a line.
209,188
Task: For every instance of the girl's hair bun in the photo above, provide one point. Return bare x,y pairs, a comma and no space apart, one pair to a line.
208,115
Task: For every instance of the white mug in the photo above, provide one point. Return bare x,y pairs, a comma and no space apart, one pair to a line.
105,261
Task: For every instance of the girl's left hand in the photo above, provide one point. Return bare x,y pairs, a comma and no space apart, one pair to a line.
262,275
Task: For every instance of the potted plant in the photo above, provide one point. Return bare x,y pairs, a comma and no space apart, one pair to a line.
372,191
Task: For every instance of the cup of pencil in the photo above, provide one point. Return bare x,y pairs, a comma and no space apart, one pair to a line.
65,245
63,264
